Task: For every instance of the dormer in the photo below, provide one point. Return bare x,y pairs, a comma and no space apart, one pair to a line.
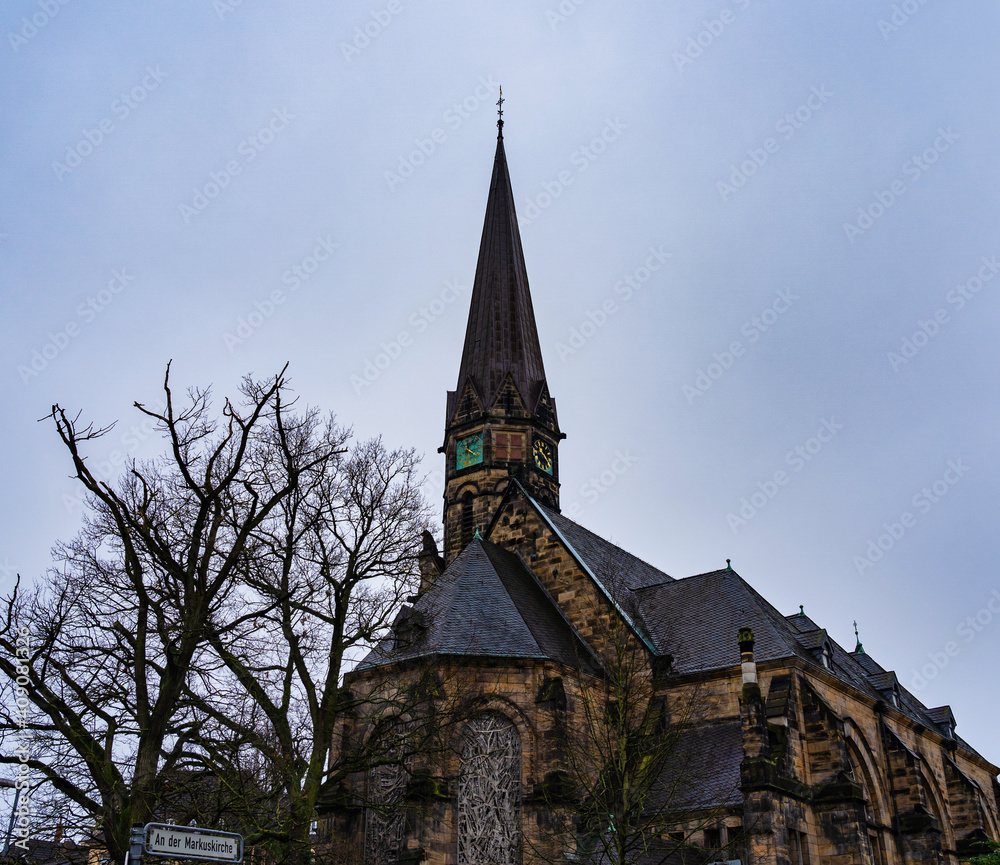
944,718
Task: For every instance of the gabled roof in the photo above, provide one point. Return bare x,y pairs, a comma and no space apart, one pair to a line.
814,639
883,681
696,620
608,562
488,603
942,716
485,604
801,622
868,663
501,336
613,570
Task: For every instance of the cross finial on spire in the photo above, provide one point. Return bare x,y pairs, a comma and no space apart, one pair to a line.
858,648
500,112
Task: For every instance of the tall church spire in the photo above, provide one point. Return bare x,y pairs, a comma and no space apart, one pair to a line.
501,421
501,337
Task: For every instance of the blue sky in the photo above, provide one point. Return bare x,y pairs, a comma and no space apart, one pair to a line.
804,383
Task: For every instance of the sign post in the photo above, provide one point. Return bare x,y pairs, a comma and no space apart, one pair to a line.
135,844
188,842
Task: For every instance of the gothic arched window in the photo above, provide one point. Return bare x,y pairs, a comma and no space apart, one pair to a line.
385,820
489,793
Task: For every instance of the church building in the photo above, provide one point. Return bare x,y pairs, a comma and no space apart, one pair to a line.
771,743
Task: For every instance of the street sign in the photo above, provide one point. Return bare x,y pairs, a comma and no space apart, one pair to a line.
190,842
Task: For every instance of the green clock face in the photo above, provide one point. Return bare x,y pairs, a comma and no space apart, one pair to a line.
542,453
469,451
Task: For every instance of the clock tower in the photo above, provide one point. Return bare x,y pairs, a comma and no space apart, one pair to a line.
501,421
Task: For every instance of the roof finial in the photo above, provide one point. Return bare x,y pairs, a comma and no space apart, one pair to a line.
858,649
729,567
500,114
802,609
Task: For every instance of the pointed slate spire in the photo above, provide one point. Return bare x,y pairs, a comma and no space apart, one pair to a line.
501,337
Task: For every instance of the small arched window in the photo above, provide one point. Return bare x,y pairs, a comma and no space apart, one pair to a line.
468,518
827,655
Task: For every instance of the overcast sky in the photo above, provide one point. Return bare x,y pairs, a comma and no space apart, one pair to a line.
761,239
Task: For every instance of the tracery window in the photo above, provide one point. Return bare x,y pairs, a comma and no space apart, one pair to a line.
385,820
489,793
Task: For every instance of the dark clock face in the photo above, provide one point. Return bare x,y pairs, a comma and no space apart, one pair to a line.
542,451
469,451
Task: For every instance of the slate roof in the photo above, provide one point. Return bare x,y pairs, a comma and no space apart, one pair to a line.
501,336
41,852
489,604
486,604
941,715
703,770
868,664
608,562
695,620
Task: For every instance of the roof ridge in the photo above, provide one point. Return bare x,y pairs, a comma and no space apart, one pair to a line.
516,556
585,567
562,516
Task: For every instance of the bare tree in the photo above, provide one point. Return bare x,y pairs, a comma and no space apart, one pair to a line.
328,576
186,646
